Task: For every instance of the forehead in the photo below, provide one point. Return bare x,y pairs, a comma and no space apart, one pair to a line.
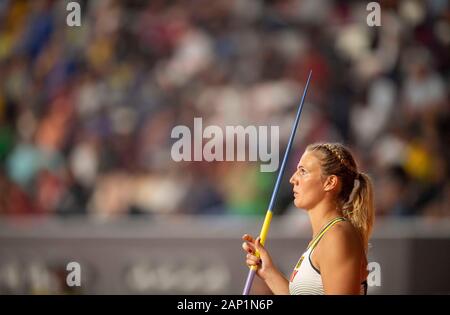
309,161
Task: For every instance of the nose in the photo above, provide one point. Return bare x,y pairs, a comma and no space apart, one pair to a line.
293,179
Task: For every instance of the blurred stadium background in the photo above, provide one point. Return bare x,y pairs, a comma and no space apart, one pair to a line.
86,115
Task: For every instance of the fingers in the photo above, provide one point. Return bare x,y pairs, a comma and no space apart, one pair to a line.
252,246
253,260
248,247
248,238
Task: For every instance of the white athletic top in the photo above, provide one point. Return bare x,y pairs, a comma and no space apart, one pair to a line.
305,278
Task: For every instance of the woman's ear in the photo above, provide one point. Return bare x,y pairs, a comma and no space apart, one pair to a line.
330,183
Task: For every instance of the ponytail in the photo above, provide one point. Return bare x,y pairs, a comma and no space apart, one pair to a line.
359,209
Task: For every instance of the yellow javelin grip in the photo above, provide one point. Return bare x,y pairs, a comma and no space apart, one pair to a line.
263,234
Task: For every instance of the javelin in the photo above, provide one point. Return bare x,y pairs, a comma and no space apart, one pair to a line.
268,218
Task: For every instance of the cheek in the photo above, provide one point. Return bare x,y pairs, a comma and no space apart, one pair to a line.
309,189
307,184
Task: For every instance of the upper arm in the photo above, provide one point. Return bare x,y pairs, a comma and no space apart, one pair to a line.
340,261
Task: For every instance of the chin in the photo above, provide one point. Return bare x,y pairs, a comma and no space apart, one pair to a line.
300,205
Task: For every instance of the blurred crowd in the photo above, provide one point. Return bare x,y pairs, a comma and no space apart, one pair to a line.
86,112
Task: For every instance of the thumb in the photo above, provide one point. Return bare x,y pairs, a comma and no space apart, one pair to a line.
260,248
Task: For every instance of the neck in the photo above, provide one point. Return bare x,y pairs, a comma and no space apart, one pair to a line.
321,214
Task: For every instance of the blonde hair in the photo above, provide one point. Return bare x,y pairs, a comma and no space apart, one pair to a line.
356,195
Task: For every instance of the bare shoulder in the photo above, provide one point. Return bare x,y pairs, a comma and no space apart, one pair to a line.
340,259
341,239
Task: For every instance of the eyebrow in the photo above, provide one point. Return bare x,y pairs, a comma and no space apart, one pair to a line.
301,166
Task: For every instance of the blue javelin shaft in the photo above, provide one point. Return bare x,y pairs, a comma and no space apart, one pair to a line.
266,224
289,146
